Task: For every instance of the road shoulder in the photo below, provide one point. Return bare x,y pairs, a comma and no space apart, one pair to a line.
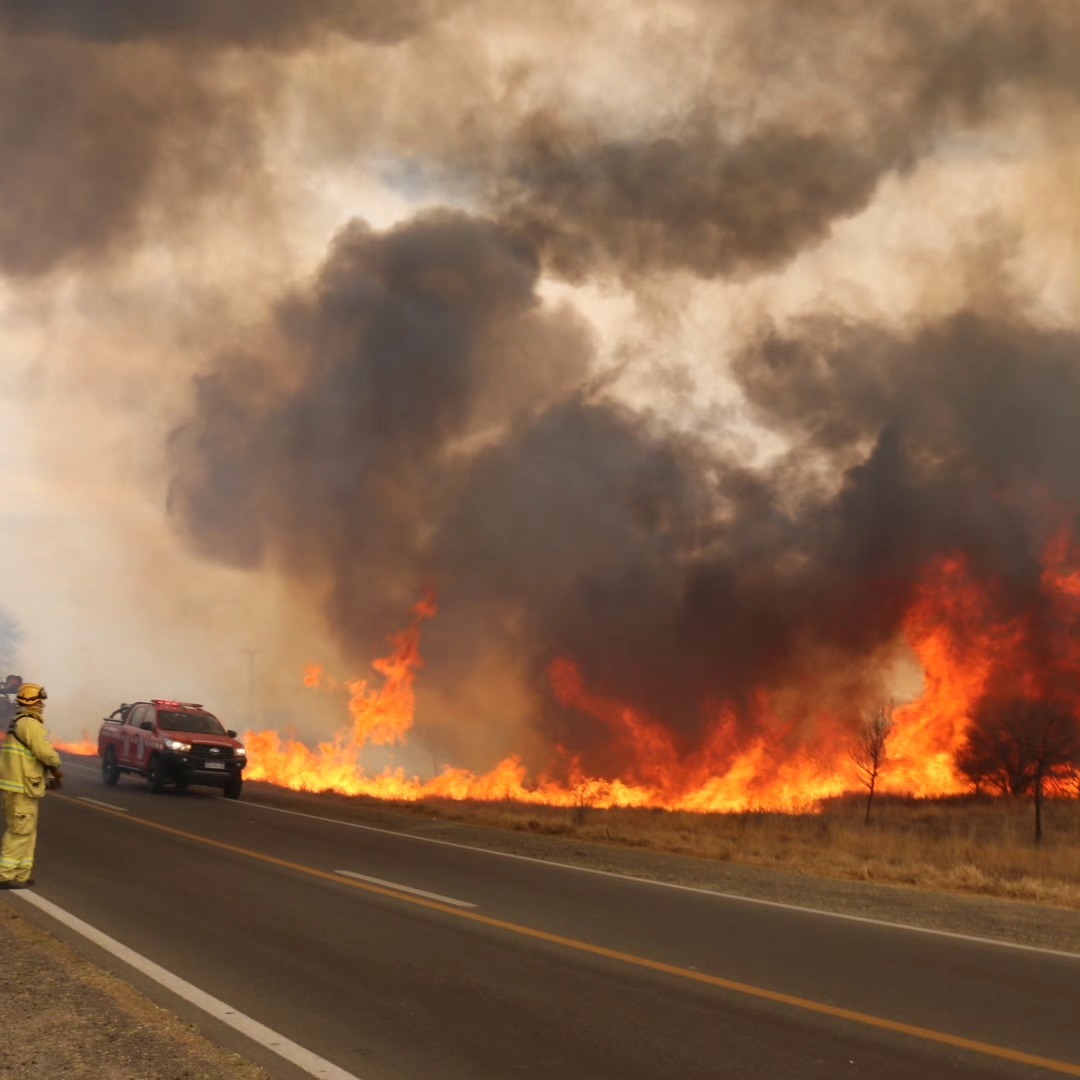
63,1016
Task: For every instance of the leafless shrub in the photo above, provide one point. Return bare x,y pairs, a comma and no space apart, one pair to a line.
871,749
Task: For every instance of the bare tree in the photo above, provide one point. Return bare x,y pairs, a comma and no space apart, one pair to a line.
1053,741
582,802
1020,747
871,749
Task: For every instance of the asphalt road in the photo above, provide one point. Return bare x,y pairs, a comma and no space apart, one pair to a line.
498,968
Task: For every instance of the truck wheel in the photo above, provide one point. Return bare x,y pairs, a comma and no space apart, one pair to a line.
233,787
155,777
109,772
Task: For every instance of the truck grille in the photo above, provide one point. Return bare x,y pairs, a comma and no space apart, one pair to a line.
202,752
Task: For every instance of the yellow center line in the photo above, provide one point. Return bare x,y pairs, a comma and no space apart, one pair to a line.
806,1004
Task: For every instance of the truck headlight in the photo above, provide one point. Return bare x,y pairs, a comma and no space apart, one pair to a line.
241,752
175,744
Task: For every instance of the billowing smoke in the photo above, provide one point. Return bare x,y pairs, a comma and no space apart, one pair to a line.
116,115
716,196
154,108
337,459
419,411
674,576
91,143
245,23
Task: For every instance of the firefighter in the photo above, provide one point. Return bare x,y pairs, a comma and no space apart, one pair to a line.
26,757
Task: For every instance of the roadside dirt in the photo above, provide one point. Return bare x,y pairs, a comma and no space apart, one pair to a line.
62,1017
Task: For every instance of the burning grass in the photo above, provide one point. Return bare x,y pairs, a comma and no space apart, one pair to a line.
967,845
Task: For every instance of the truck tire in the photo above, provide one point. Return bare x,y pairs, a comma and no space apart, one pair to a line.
109,771
155,777
234,786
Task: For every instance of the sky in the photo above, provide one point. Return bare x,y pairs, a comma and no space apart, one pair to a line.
674,339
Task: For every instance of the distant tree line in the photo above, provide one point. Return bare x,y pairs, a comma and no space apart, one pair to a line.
1022,747
1015,746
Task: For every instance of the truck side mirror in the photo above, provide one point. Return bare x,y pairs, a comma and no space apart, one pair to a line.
147,725
231,734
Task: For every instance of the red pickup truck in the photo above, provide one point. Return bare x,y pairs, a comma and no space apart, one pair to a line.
173,742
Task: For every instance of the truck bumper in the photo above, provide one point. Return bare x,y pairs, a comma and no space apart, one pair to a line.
186,769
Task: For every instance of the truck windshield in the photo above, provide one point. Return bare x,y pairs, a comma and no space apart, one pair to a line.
202,723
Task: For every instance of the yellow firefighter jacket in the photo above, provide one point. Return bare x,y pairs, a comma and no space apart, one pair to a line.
25,754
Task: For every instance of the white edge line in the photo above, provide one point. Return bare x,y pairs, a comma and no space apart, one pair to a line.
675,885
304,1059
107,805
405,888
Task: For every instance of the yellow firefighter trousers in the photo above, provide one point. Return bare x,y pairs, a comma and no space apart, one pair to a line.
17,849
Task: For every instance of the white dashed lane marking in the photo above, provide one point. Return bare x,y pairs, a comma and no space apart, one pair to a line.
406,888
107,805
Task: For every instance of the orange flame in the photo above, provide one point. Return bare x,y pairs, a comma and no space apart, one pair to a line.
85,747
755,759
385,716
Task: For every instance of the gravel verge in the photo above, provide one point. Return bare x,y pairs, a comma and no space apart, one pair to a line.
63,1017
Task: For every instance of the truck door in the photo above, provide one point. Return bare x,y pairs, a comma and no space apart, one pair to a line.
129,735
146,736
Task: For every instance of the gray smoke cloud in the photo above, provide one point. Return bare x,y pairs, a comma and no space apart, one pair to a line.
336,459
673,575
417,413
271,23
92,139
696,196
690,580
120,118
112,110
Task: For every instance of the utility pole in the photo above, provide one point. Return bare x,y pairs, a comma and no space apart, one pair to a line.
251,654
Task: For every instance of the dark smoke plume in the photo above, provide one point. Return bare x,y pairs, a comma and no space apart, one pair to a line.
90,138
674,576
336,461
112,112
243,23
695,196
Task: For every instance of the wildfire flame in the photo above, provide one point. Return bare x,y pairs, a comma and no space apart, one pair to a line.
84,747
953,627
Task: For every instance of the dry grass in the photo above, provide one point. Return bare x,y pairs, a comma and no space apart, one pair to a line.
959,845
